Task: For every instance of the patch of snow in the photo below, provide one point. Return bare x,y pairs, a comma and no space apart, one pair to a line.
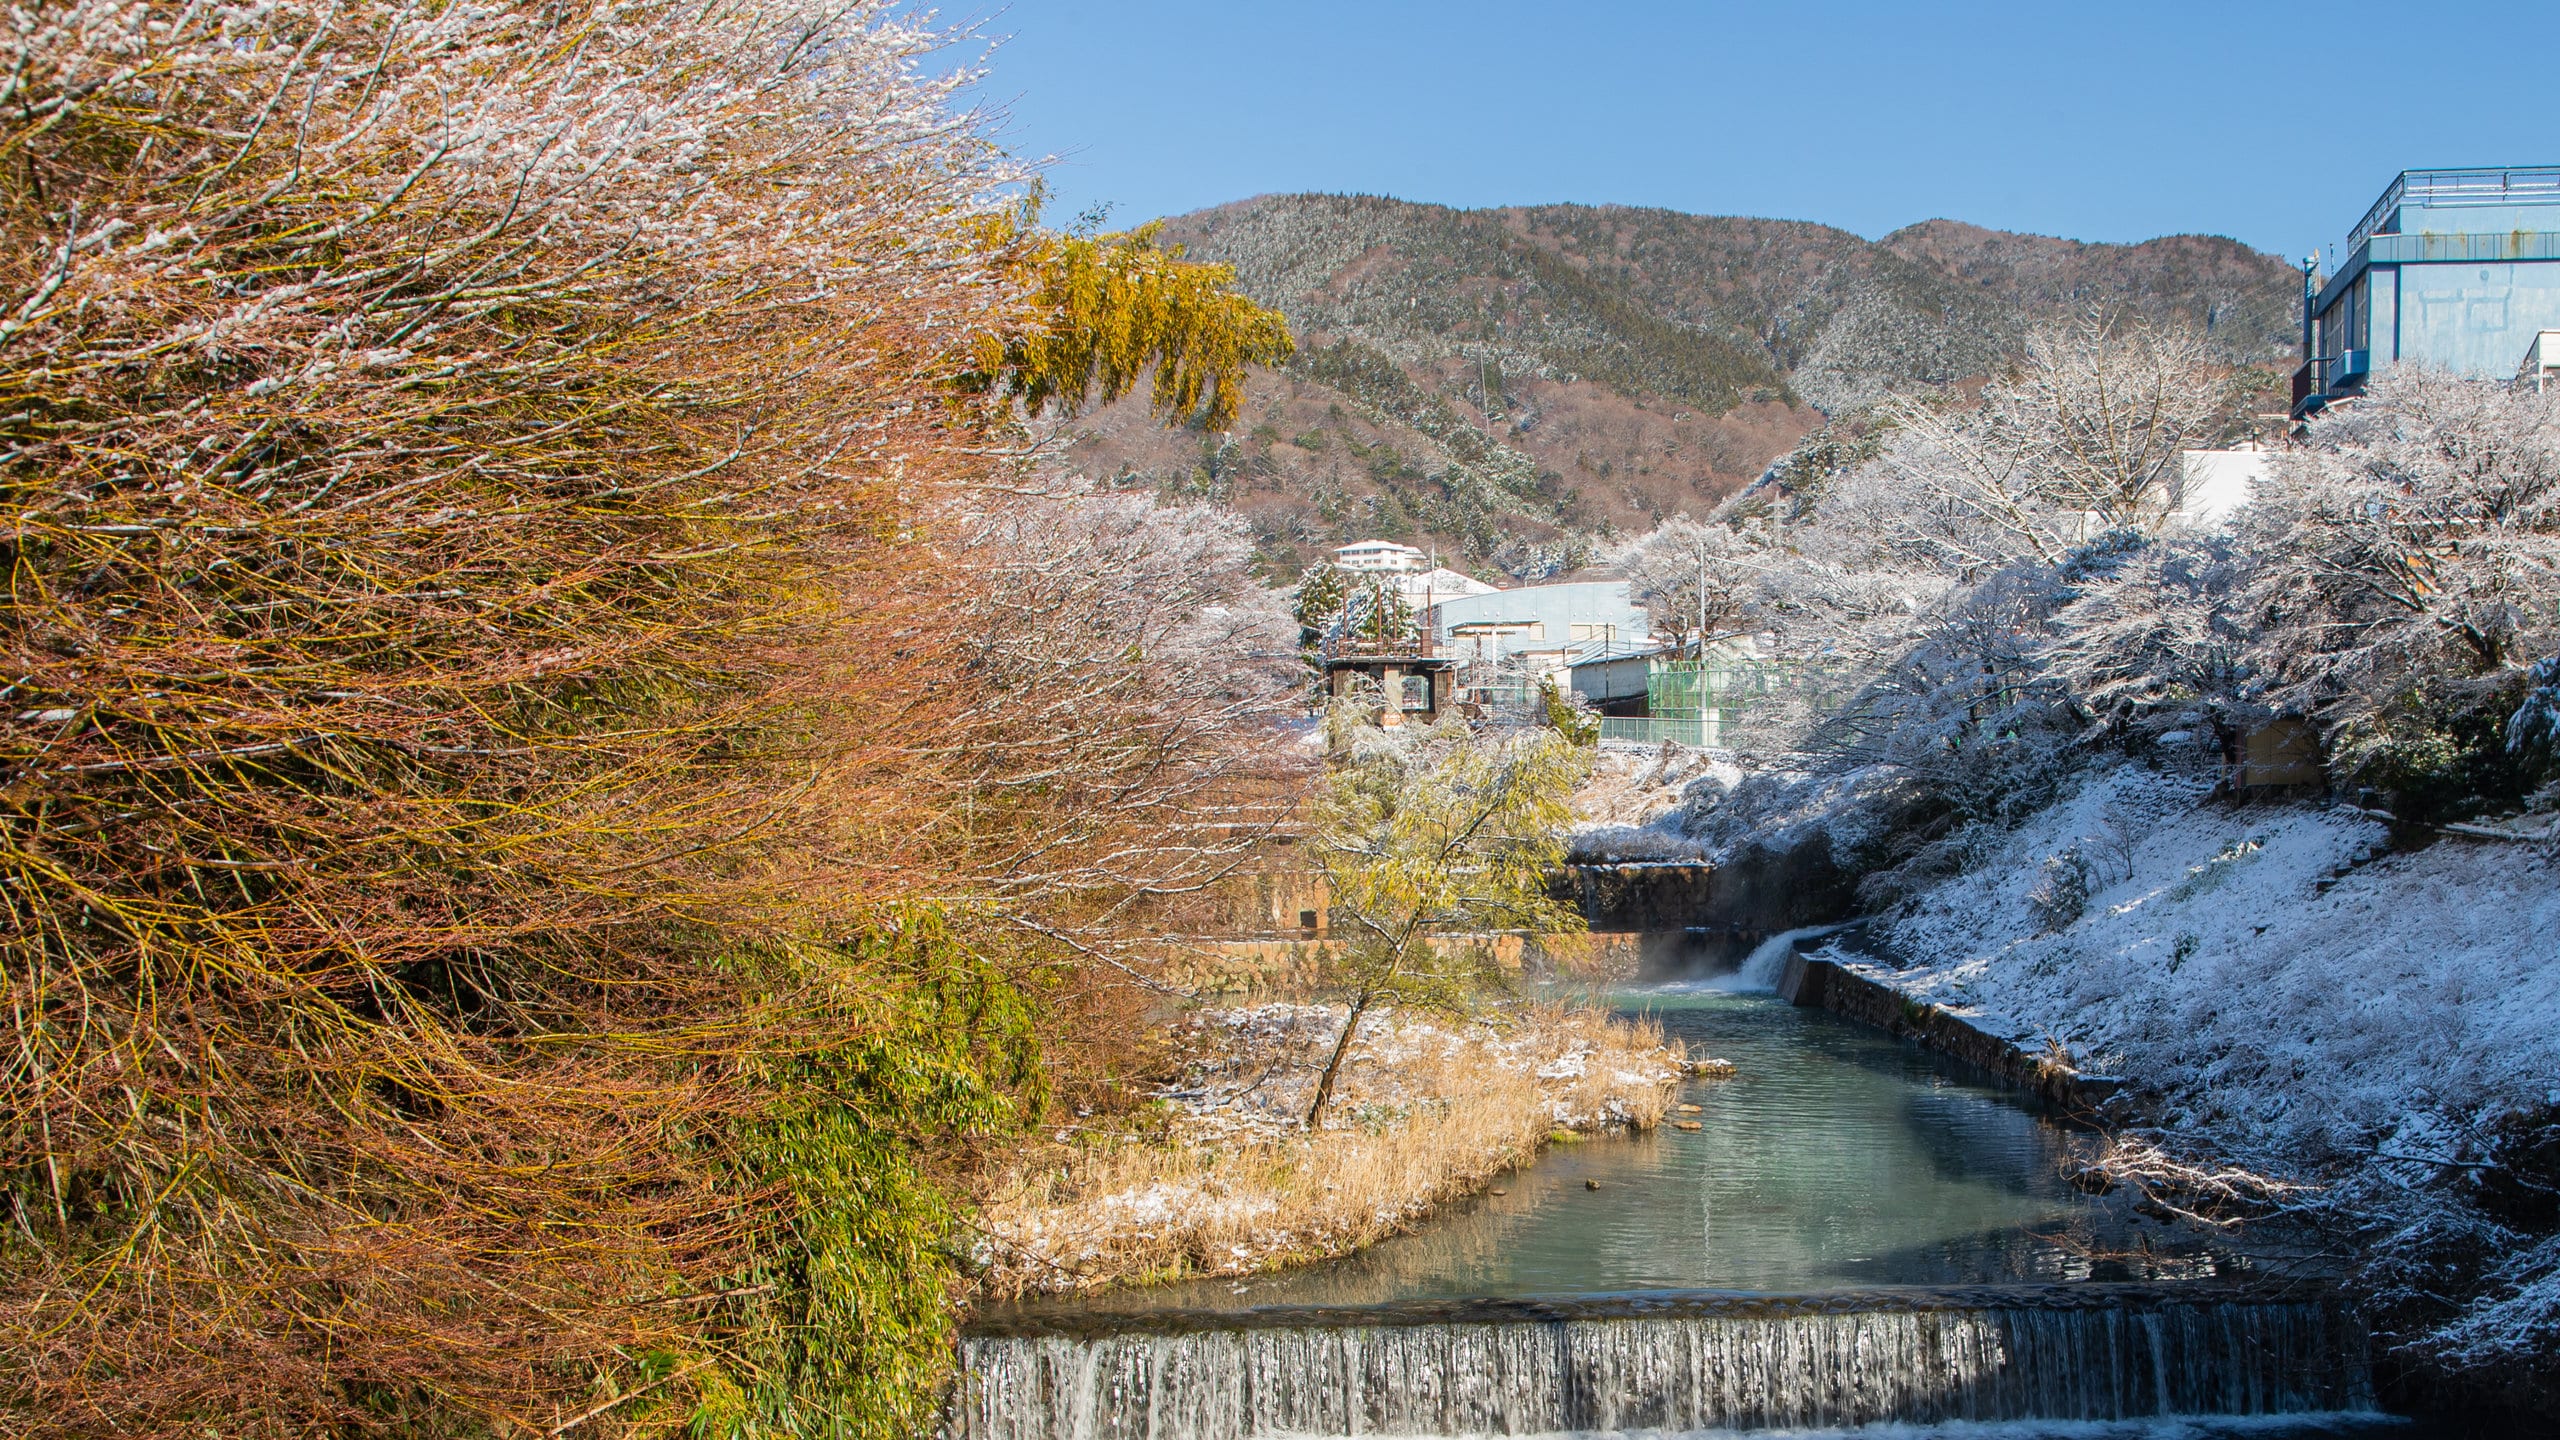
2296,996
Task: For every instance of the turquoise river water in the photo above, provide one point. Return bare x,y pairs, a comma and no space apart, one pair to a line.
1854,1218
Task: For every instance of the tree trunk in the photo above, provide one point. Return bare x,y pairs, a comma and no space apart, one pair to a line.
1333,1066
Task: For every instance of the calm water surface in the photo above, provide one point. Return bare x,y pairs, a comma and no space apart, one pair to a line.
1838,1156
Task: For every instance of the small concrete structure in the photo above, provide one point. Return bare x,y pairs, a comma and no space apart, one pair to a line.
2281,754
1413,682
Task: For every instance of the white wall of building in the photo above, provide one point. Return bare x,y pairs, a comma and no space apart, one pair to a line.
1381,555
2215,484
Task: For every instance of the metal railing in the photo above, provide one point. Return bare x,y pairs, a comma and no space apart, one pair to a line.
1693,731
2455,189
2307,385
1609,647
1370,647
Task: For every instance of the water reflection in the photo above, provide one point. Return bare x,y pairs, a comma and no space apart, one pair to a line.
1838,1157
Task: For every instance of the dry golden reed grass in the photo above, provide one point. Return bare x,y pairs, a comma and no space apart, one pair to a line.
1427,1110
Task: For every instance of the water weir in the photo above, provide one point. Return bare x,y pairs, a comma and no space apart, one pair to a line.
1677,1360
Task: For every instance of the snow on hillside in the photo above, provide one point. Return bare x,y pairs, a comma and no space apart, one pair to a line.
2291,993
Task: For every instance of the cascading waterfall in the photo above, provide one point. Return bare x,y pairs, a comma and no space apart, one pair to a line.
1759,970
1679,1362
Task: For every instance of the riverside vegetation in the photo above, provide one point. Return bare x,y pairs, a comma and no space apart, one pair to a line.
1225,1177
1297,1132
571,768
579,778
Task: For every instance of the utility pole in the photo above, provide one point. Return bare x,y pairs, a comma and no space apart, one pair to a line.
1702,600
2310,293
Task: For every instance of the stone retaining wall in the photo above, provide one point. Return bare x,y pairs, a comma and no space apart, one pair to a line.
1829,985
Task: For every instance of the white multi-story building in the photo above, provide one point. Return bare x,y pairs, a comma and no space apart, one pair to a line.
1381,555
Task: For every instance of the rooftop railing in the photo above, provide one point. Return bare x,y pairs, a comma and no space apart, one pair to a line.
1413,645
2454,189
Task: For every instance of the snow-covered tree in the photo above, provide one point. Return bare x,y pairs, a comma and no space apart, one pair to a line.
1696,581
2085,436
2151,629
1970,708
1126,644
2414,538
1323,589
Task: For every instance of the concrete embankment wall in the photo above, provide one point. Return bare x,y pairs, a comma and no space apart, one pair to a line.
1272,965
1829,985
1725,910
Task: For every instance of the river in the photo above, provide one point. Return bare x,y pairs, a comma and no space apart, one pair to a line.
1857,1231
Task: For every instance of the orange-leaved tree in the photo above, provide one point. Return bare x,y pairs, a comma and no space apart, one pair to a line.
525,865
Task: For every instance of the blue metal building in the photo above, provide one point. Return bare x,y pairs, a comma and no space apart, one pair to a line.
2453,268
1579,616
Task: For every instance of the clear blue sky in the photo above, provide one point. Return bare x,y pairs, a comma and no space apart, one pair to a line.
2098,122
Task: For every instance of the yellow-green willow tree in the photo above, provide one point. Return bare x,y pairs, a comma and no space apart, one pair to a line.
1429,844
1114,308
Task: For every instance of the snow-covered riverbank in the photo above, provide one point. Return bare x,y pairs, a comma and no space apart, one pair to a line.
2288,993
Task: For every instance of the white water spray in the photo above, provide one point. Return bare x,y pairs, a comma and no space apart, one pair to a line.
1768,960
1820,1364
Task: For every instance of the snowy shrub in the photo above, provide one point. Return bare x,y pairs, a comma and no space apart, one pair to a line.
2061,894
2109,848
2534,729
2183,950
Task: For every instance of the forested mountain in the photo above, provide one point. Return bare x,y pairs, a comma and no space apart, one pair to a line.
1504,384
